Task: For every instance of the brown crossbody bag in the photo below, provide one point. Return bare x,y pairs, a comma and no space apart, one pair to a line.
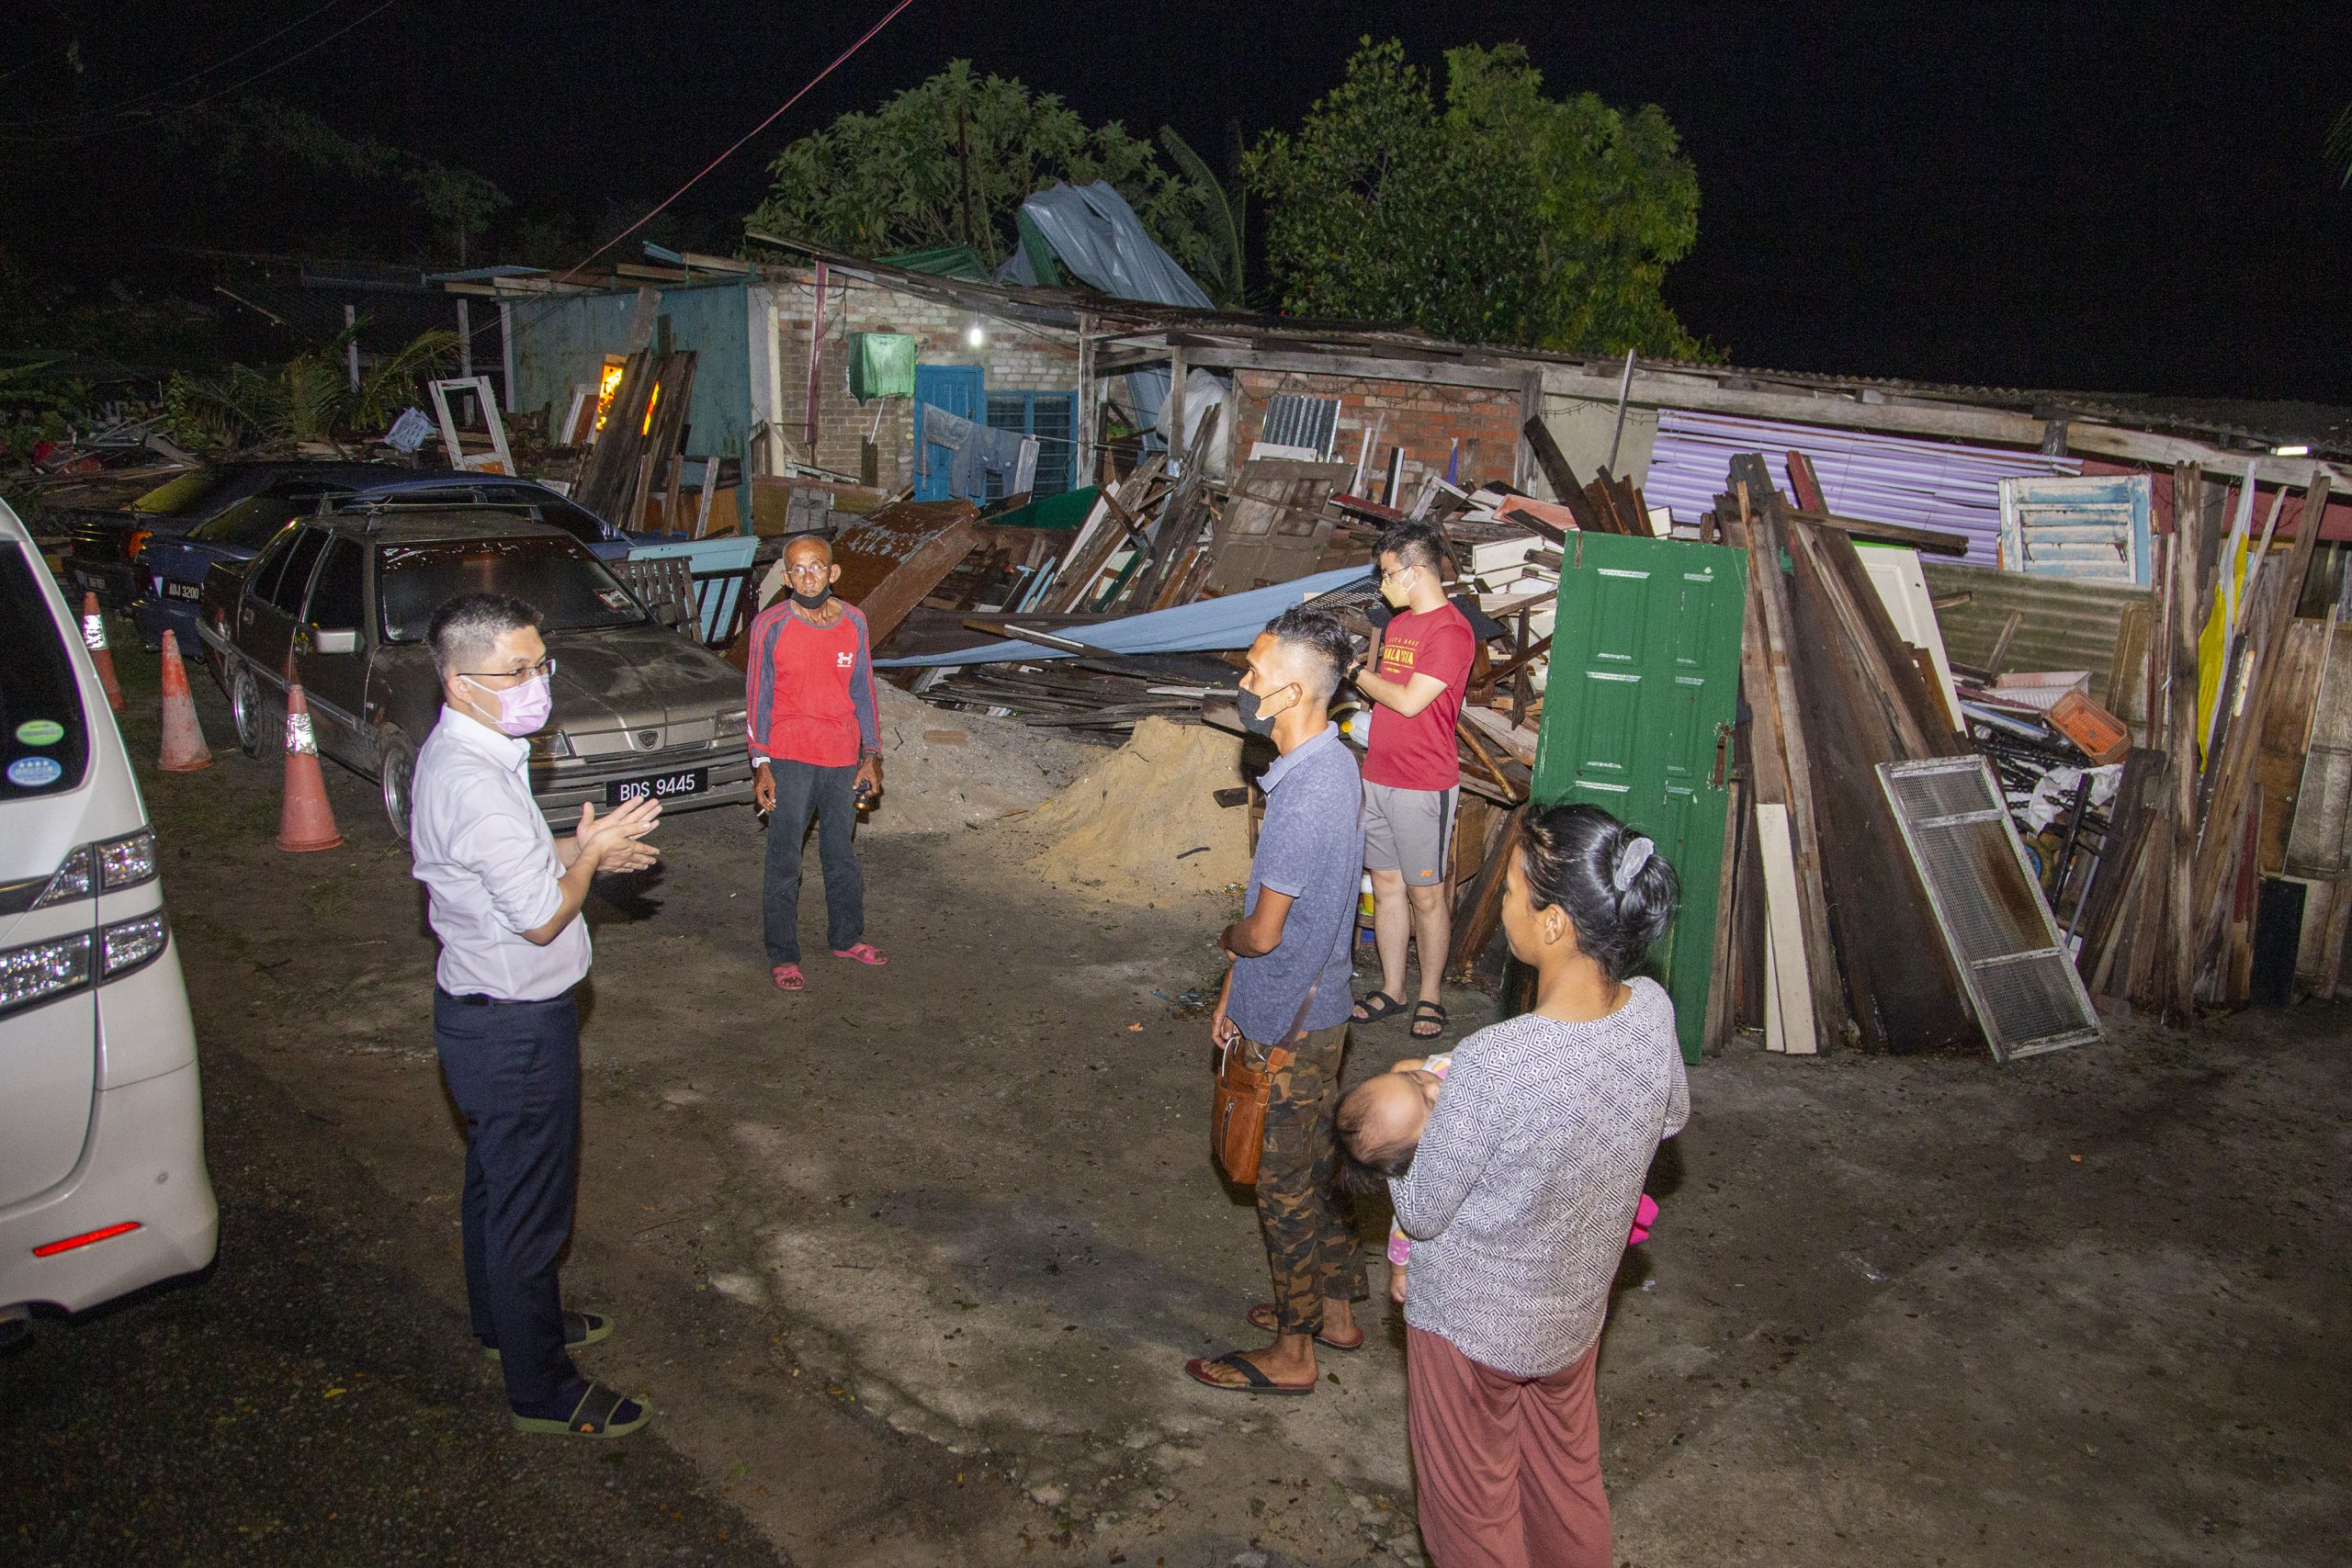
1238,1104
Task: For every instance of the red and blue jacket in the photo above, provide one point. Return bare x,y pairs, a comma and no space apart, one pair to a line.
810,690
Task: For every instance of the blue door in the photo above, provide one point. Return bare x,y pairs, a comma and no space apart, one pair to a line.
955,389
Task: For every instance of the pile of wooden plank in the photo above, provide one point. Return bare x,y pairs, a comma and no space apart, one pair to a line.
635,456
1831,935
2176,924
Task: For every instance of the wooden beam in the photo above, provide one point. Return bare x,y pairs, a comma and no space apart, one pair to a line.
1714,1032
1791,1002
1482,910
1366,366
1804,824
2177,972
2278,590
1530,416
1936,541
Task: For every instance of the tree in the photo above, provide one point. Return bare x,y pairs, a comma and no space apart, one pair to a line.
1507,217
951,160
245,139
1223,217
309,398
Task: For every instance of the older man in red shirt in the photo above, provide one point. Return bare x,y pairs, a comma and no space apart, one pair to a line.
818,749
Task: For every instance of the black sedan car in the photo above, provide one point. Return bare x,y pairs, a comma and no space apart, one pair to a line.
102,550
346,597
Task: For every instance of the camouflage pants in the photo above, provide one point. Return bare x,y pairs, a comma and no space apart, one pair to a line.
1307,1221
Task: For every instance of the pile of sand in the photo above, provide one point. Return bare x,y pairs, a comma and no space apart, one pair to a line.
942,768
1142,825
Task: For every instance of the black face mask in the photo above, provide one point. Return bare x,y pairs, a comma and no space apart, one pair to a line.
1254,720
811,600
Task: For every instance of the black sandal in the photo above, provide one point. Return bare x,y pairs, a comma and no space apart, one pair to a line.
593,1416
1377,1008
1428,1012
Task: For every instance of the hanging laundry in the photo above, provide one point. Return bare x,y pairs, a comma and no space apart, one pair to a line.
980,451
881,365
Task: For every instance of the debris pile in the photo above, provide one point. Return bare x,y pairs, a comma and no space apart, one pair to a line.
1144,824
952,770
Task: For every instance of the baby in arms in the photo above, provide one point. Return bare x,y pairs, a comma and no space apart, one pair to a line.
1380,1124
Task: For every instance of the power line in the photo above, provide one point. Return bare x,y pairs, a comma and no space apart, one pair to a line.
548,302
143,120
262,43
737,145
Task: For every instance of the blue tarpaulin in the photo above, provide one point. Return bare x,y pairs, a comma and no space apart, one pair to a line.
1211,625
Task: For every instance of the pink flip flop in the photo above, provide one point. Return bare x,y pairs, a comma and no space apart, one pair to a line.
787,977
864,952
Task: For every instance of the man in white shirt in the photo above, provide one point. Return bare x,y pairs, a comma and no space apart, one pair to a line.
505,897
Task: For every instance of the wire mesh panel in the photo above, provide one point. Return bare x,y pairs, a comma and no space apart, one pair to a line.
2011,961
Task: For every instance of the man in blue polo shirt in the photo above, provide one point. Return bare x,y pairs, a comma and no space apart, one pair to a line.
1288,987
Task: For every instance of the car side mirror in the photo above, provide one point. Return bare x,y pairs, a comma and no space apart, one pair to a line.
334,642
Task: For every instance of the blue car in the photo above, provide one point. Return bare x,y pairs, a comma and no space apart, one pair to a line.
173,568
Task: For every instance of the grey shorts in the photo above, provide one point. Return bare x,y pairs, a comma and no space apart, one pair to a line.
1408,830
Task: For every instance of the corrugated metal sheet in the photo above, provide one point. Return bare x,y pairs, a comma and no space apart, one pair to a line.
1885,479
2067,624
1206,626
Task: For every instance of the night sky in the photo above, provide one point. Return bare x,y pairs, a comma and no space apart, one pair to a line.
2120,197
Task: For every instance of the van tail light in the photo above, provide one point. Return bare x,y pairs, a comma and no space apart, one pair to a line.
136,543
69,1243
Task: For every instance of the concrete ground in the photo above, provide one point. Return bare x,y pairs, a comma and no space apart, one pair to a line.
909,1263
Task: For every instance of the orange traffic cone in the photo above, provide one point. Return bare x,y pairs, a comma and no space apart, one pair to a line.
307,822
184,746
93,638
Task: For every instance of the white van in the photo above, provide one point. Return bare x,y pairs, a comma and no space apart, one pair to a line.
103,1188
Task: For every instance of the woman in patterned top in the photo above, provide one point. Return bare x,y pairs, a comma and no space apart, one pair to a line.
1520,1198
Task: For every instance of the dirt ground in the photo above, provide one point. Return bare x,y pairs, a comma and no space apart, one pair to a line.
909,1263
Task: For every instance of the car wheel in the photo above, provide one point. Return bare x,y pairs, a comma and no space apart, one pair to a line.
396,769
245,710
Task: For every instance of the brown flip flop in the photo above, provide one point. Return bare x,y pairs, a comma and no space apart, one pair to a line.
1259,1383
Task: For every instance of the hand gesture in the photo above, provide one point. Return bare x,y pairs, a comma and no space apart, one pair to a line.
612,838
764,790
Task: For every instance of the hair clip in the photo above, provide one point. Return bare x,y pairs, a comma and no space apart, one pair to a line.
1629,861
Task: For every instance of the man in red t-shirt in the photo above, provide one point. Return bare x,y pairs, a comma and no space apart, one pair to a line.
816,747
1414,677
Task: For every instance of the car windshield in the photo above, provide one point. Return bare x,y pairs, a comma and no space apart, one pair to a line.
44,741
570,587
249,524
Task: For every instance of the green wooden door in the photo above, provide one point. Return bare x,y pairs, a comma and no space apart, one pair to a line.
1638,716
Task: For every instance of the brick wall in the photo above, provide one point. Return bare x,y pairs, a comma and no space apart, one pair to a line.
1013,359
1426,419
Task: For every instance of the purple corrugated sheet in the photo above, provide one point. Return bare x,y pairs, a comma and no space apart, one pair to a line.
1883,479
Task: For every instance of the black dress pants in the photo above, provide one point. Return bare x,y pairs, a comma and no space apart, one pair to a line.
514,1069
